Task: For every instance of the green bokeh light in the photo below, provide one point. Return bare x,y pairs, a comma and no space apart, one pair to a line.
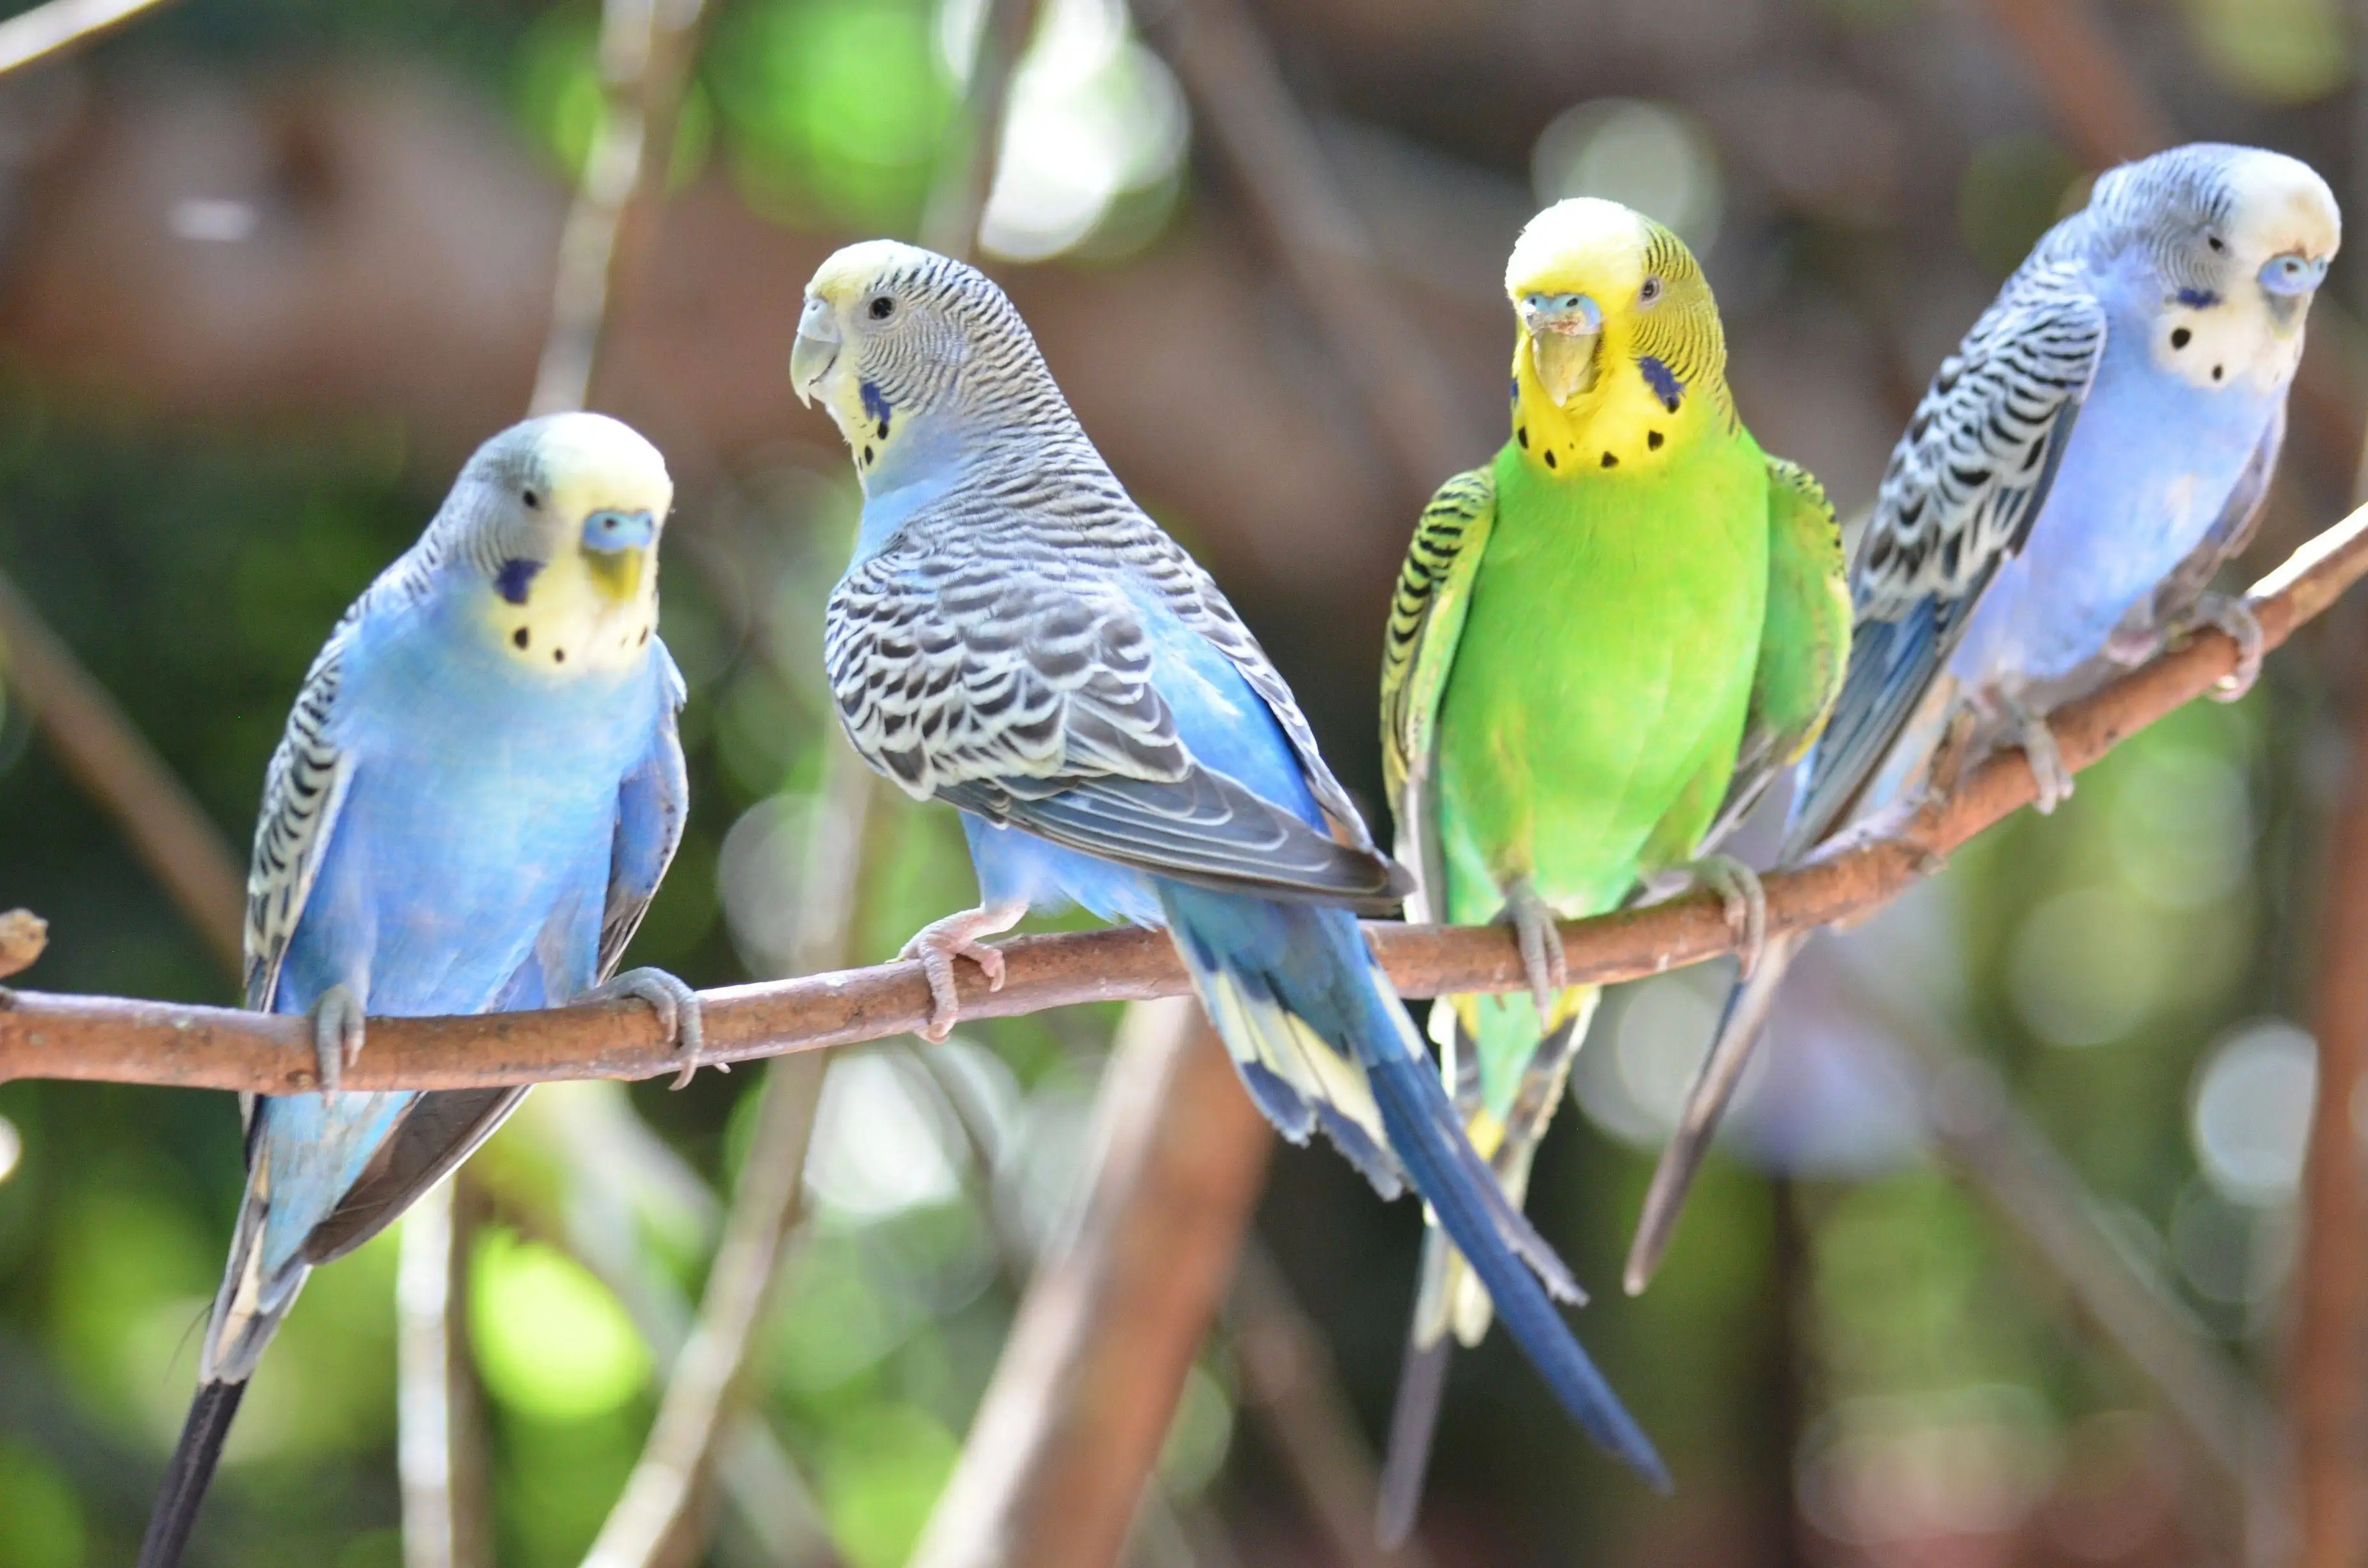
550,1340
881,1470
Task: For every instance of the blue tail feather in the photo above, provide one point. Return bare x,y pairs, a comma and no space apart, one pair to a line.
1425,1136
1317,1036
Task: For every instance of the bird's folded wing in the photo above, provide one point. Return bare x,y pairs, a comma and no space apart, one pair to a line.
1434,593
1964,486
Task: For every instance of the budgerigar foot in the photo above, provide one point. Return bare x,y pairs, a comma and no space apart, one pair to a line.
939,943
2234,616
1533,920
678,1010
337,1030
1737,886
2038,744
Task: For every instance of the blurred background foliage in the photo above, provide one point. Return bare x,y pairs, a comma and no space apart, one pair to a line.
1851,1356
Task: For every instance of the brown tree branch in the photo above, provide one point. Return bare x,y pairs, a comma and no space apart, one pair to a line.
118,1041
2324,1361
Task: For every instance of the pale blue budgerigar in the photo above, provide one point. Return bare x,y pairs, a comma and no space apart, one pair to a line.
1014,636
2098,446
476,796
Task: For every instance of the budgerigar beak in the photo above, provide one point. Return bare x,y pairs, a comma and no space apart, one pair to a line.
2293,273
816,351
617,548
1564,332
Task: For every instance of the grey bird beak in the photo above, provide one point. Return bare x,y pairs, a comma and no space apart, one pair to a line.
1564,332
816,351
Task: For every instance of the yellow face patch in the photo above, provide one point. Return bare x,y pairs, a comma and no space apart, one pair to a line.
1655,372
585,609
576,619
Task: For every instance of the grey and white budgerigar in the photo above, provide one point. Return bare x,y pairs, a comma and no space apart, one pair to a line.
1016,638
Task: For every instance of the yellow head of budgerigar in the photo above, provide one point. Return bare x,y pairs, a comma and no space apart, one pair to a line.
576,585
1618,359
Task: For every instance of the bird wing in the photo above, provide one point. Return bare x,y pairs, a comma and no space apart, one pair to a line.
303,790
1964,486
1021,687
1434,594
1804,639
1185,589
651,809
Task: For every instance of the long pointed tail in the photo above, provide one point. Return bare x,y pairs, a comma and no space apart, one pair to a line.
187,1476
1450,1297
1303,1006
1414,1421
1740,1027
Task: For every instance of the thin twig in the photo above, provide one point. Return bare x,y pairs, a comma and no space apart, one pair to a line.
44,30
2105,108
439,1452
655,1518
958,200
1289,1382
2010,1163
646,49
98,747
605,1153
1082,1398
1231,73
118,1041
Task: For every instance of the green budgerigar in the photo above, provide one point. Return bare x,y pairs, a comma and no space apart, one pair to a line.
1603,645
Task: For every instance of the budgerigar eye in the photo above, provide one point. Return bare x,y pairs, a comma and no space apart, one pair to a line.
1650,291
2215,241
883,308
530,497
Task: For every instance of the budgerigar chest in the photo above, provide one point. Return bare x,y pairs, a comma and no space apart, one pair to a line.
480,819
1604,669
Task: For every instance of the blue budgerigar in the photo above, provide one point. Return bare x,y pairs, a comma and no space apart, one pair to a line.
2099,444
476,796
1016,637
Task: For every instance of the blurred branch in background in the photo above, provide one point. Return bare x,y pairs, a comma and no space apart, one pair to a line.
45,30
101,751
1231,73
656,1522
440,1453
112,1040
2008,1161
1053,1470
2111,116
647,48
614,1168
2325,1364
1289,1380
958,200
